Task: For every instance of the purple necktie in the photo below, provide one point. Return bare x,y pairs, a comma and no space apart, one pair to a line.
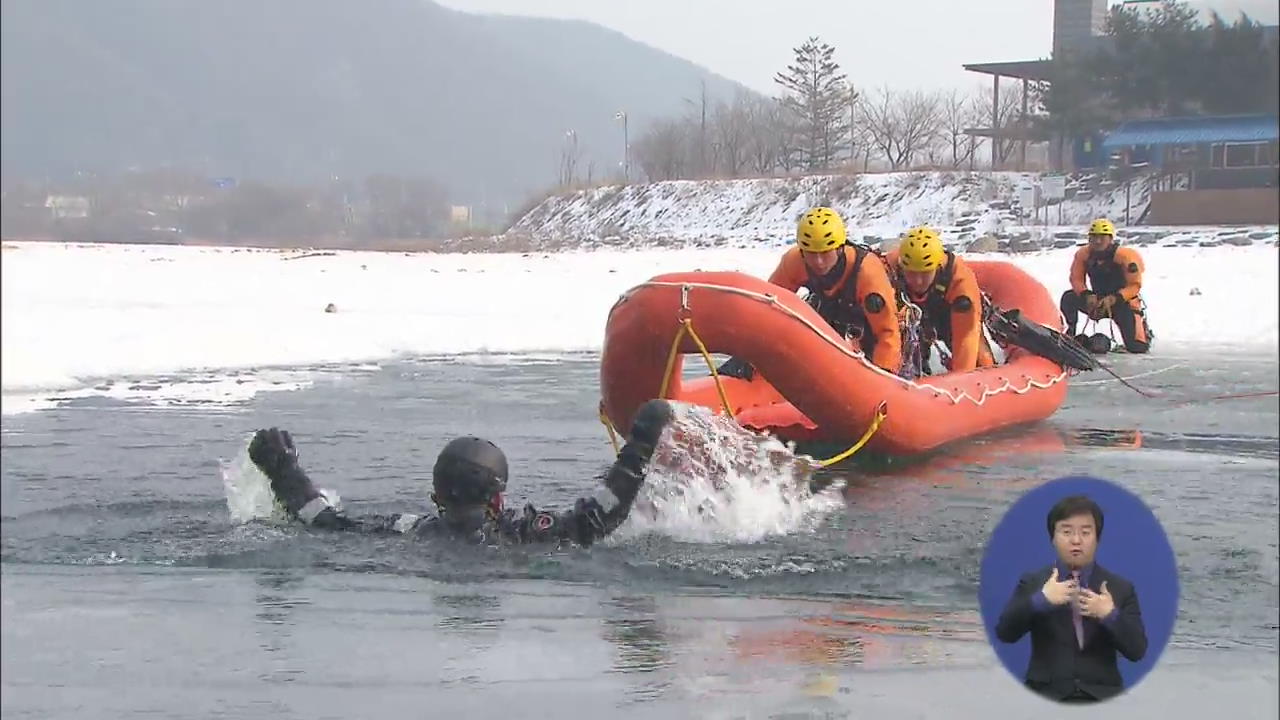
1076,618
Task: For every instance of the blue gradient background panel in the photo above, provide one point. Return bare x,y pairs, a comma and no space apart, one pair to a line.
1133,545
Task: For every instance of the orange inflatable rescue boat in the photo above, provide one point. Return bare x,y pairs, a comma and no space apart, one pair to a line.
810,383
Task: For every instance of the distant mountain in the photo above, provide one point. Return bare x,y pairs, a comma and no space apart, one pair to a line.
301,90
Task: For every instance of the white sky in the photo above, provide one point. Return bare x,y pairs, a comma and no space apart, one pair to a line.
905,43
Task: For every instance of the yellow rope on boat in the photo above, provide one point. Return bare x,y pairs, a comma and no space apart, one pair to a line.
686,326
613,435
881,412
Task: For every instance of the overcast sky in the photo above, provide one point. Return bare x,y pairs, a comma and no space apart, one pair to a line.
905,43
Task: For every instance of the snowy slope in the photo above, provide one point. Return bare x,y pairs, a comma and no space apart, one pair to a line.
965,206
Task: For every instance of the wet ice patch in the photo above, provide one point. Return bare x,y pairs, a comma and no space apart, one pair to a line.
711,480
516,359
204,390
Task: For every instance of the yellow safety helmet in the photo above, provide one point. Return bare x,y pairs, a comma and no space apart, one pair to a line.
921,250
1102,226
820,230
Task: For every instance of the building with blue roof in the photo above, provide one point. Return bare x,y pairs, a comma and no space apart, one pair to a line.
1215,152
1078,27
1219,169
1222,169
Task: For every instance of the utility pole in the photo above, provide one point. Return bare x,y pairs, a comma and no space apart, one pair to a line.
626,147
702,137
853,134
995,122
569,159
702,132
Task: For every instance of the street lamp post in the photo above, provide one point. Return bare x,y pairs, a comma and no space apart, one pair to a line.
626,147
568,158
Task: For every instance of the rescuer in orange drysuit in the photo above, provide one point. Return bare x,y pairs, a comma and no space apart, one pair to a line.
1114,275
946,291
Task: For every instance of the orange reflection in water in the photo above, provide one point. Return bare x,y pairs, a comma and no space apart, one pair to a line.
953,466
862,634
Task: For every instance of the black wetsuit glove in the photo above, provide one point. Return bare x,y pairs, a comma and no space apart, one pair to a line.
650,420
275,455
627,473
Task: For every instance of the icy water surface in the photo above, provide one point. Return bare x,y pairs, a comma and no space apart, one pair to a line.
128,590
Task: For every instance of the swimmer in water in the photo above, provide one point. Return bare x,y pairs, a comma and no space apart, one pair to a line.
468,482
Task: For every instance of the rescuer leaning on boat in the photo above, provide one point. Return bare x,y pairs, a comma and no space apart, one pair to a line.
946,290
848,285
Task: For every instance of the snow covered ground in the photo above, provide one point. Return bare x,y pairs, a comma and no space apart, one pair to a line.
76,316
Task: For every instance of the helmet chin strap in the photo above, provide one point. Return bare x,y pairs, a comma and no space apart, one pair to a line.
492,509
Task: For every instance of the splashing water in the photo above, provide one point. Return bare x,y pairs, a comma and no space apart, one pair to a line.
711,480
249,495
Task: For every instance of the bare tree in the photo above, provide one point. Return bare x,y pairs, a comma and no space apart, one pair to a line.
959,111
764,121
901,125
731,128
570,155
790,147
1008,115
861,140
697,139
663,151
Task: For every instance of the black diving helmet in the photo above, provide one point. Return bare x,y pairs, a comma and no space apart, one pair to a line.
470,473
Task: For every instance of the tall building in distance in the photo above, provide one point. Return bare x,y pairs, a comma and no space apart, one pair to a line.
1076,22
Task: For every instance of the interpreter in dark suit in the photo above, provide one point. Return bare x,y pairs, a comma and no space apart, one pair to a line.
1079,614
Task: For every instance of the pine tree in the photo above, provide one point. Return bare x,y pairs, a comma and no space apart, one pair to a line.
1239,68
816,96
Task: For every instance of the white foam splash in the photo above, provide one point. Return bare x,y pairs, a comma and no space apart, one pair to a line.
249,495
248,491
711,480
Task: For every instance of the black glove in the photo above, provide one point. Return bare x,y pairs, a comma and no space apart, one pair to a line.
650,420
736,367
273,452
624,478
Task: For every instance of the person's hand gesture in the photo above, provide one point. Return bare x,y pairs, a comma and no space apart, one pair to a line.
1096,605
273,451
1058,593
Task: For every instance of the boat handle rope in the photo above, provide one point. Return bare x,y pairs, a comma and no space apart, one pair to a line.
954,395
685,316
1156,395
